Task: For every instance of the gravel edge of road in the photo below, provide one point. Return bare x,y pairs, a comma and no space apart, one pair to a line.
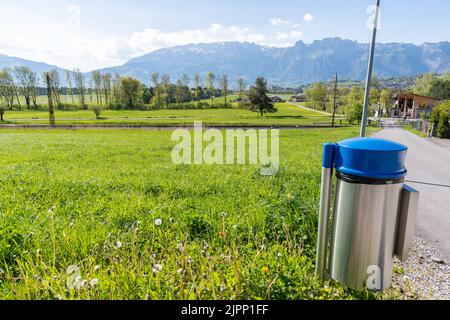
425,275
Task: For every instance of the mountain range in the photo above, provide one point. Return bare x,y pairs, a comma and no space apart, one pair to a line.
300,64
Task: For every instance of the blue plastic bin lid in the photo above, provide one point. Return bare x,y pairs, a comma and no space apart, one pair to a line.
371,158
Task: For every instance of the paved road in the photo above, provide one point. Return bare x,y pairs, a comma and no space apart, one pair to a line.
428,161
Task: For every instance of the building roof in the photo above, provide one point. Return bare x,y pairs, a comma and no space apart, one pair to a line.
413,95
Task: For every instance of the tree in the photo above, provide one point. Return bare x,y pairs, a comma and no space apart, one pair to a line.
157,90
223,82
81,86
356,95
106,84
27,81
423,84
354,112
69,83
318,96
165,81
241,88
434,86
7,88
259,99
2,111
197,84
179,92
386,100
130,92
440,118
97,109
54,76
210,80
50,87
97,79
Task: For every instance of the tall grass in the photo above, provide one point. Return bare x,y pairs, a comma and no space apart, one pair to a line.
105,215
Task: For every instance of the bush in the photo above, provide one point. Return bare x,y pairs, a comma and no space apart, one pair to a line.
97,109
440,119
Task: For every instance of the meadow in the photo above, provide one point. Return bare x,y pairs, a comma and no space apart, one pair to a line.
287,115
104,214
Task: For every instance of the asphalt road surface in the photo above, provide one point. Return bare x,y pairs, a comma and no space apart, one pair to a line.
428,161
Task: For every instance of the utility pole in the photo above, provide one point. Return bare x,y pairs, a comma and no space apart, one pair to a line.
369,71
335,96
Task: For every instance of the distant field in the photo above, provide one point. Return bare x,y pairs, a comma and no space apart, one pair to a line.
78,213
43,100
288,115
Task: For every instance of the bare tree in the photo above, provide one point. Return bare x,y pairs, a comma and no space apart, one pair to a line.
157,89
97,79
223,82
50,87
197,84
210,80
106,83
27,81
80,82
56,87
242,86
69,83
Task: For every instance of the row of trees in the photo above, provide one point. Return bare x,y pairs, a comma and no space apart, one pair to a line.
437,86
349,101
108,91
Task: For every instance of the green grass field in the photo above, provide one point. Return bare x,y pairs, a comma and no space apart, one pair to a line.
79,211
288,115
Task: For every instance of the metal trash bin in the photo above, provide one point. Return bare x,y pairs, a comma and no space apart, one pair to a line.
374,213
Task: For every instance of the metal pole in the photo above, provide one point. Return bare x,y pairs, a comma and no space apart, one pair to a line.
369,72
324,210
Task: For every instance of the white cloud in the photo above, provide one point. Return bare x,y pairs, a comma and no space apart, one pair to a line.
279,21
289,38
89,53
308,17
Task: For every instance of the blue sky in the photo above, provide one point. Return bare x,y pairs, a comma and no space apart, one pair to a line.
99,33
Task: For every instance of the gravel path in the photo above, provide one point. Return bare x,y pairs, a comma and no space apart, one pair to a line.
426,274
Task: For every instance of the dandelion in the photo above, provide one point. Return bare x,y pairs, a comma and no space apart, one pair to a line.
93,282
180,271
83,283
265,269
96,267
157,268
223,288
190,260
158,222
50,210
118,244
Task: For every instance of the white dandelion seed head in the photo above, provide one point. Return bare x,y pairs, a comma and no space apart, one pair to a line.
118,244
157,268
96,267
93,282
158,222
